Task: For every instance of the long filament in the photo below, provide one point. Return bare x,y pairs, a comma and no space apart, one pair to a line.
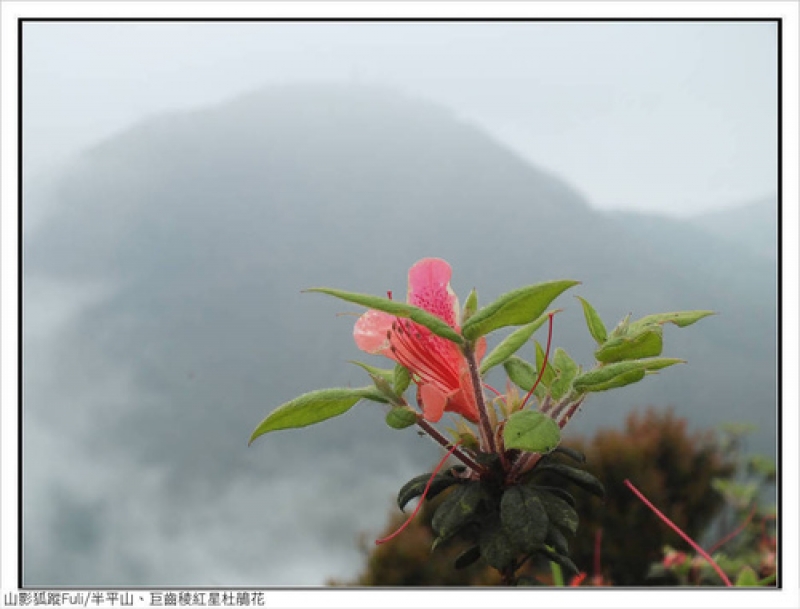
544,363
675,528
421,499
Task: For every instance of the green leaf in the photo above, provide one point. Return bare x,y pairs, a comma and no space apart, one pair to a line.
457,510
470,306
521,306
593,321
579,477
497,546
563,561
747,577
549,372
416,486
383,373
311,408
524,518
645,343
532,431
521,373
558,492
401,378
621,329
401,417
566,370
468,557
400,309
556,539
573,454
679,318
620,374
511,344
559,512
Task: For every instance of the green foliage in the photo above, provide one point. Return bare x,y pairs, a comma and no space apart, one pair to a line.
747,544
620,374
400,309
596,327
532,431
515,308
672,467
401,417
314,407
512,343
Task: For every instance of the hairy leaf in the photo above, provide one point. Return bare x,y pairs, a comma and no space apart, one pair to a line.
521,306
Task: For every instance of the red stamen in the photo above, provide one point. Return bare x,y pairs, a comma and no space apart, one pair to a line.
544,363
730,536
493,390
685,537
412,354
421,499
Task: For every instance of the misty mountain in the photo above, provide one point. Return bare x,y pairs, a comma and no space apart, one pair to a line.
163,319
753,225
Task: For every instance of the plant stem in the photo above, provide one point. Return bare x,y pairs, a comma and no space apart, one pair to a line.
440,439
487,437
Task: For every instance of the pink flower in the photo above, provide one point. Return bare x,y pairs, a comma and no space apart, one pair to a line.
437,365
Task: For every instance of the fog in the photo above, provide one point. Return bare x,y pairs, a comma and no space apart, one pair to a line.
184,183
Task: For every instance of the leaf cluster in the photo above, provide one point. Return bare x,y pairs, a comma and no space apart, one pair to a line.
504,526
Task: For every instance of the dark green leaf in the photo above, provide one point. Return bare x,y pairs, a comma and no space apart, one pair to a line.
647,342
556,539
521,373
511,344
400,309
562,561
581,478
620,374
514,308
532,431
401,417
593,321
497,546
571,453
457,510
524,518
558,492
559,512
311,408
468,557
416,486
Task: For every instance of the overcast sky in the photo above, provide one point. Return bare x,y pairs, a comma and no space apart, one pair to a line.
668,117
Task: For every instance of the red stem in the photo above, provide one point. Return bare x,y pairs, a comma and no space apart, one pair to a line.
598,537
544,363
675,528
421,499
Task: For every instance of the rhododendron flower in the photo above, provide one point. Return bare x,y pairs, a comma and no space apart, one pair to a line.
437,366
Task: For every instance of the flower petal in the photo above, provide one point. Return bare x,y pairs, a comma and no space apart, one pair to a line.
433,402
371,332
429,288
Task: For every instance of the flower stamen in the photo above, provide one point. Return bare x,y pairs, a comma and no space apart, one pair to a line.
421,499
